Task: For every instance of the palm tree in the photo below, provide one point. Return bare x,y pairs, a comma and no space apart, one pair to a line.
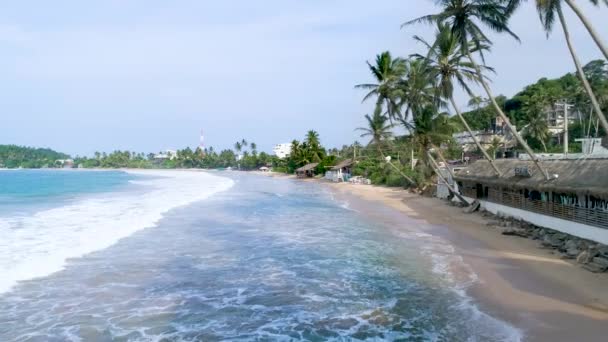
254,148
378,129
463,16
445,63
537,126
542,5
314,145
414,92
547,10
238,147
387,72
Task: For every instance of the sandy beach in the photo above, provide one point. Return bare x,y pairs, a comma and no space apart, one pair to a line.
547,297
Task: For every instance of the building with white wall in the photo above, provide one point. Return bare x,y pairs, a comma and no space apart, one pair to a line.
574,201
282,150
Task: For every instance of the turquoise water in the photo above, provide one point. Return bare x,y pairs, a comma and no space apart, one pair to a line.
23,189
258,259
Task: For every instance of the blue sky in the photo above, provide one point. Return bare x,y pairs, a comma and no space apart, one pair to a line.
146,75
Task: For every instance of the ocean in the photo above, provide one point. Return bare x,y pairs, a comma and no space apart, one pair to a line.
198,256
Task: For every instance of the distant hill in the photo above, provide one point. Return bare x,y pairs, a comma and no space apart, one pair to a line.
13,156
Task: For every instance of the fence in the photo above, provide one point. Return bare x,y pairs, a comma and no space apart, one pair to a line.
591,217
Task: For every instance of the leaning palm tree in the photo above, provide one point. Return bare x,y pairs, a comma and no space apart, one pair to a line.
464,18
378,130
445,62
548,10
542,4
387,72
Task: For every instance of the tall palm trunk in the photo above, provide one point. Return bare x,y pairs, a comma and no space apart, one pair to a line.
466,125
520,140
378,109
596,37
437,171
581,73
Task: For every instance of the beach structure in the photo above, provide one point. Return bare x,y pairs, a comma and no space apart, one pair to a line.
164,155
65,163
443,191
341,172
574,201
497,131
264,169
306,171
282,150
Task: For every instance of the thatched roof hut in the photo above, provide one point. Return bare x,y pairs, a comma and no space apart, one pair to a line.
307,170
345,164
582,176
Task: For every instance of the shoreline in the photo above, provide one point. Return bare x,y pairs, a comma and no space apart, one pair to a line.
548,298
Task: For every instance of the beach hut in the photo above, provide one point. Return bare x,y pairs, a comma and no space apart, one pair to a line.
265,169
341,172
307,170
573,201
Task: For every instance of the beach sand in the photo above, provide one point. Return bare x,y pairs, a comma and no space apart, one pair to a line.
550,299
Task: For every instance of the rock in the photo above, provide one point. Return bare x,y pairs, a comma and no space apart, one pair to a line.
583,257
572,253
603,251
560,236
546,241
515,232
593,267
603,262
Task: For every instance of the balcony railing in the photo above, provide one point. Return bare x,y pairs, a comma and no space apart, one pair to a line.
591,217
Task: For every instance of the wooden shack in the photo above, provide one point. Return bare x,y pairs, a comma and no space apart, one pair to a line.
307,171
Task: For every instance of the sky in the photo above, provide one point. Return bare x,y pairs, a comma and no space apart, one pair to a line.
148,75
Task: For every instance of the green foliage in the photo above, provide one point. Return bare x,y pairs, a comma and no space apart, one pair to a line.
13,156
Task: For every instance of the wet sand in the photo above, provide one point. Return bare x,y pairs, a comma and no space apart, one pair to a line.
549,298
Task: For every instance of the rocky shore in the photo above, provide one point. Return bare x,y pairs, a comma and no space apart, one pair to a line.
591,255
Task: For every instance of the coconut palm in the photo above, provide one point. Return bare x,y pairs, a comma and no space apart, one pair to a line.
387,72
464,18
413,93
548,10
254,148
537,126
314,146
238,147
378,130
447,66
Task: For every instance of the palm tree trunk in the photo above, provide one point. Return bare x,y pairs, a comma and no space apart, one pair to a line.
596,37
520,140
544,145
466,125
378,109
581,73
435,168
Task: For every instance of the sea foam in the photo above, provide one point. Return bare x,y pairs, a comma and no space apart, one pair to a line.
40,244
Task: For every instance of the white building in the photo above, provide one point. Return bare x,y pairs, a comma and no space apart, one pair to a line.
282,150
167,154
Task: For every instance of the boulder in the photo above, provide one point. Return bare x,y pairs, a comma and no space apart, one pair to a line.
515,232
583,257
602,262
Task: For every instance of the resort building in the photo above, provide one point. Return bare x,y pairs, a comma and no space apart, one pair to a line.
282,150
167,154
306,171
574,201
495,133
